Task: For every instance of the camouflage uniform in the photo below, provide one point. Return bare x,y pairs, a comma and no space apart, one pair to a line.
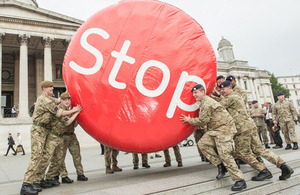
216,94
260,123
110,156
244,125
53,143
286,113
259,150
135,158
219,135
242,93
198,135
176,152
45,109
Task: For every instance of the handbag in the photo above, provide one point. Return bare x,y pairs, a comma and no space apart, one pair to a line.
19,149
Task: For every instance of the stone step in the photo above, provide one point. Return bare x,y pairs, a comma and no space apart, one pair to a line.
223,186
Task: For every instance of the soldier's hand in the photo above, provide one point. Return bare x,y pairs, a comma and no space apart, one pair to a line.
184,118
78,108
296,118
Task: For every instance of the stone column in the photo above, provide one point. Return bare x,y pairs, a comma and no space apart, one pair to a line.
1,39
256,90
23,83
17,75
39,76
253,90
263,91
47,58
271,93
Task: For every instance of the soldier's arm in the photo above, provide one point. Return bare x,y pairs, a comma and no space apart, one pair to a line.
203,119
225,102
69,120
293,111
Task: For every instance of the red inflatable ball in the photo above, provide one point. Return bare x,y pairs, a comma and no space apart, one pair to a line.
131,67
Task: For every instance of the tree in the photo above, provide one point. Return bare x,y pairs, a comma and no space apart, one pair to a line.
278,87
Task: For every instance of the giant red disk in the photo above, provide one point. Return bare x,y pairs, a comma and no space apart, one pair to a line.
131,66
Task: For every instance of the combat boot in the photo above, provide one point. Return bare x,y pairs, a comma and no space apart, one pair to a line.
288,147
53,182
82,178
263,175
295,146
45,184
27,189
179,164
286,171
221,171
116,168
167,164
37,187
259,159
146,165
237,161
135,166
109,170
239,185
203,159
56,178
66,180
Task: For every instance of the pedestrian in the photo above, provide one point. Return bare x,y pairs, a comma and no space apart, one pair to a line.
277,137
155,154
135,161
286,113
216,143
269,121
111,162
258,115
11,144
14,111
19,143
177,156
46,108
102,149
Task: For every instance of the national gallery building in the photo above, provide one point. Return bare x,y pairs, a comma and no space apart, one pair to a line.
33,42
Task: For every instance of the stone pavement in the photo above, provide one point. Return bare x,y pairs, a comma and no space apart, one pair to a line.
194,177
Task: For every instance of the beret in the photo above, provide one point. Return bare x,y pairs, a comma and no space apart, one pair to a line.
65,95
225,84
196,87
230,78
46,84
220,77
279,94
254,102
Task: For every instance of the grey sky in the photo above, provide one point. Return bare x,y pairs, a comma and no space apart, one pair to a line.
266,33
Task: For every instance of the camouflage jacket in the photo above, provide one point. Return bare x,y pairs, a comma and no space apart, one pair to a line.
59,124
45,109
236,108
215,96
242,93
284,111
259,120
217,119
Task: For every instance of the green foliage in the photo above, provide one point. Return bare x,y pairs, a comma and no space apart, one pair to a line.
278,87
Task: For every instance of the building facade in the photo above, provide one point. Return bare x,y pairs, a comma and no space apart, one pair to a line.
293,84
33,42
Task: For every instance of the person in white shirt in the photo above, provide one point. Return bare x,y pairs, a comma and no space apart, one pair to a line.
19,143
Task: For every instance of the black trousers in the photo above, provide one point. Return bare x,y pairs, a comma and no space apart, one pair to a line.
22,148
10,147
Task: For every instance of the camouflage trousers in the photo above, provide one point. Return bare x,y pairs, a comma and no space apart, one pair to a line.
259,150
198,135
38,140
176,152
288,130
243,151
135,158
71,143
56,161
52,142
110,156
262,132
218,149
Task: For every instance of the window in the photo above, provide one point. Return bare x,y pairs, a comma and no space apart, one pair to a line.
291,101
296,92
284,80
294,86
292,79
286,86
245,84
298,102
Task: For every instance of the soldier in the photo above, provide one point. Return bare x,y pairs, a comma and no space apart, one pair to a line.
247,140
216,92
269,122
219,135
257,115
55,140
46,108
237,89
177,156
198,135
135,161
286,113
110,157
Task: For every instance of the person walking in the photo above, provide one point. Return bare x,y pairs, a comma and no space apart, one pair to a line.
19,143
177,156
111,162
11,144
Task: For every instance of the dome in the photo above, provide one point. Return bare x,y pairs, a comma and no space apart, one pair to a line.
223,43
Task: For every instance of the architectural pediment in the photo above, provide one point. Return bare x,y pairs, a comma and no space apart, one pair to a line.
24,13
